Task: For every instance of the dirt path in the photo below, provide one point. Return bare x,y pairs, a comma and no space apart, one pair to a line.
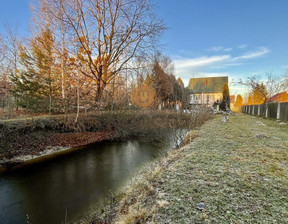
238,169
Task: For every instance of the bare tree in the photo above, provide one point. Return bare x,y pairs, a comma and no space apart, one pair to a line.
273,84
9,60
165,62
107,34
4,86
59,32
9,50
2,49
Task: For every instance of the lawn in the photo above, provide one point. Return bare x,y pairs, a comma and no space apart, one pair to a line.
238,169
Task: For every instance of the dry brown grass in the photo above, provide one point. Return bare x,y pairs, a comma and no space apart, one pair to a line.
32,135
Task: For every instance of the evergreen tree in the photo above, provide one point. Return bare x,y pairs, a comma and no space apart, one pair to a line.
225,104
239,101
35,85
161,82
177,90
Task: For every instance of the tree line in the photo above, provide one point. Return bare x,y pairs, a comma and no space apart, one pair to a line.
261,91
84,54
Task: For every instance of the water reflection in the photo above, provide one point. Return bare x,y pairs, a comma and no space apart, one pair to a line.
71,184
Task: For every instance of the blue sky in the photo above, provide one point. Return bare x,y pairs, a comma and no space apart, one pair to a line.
14,12
237,38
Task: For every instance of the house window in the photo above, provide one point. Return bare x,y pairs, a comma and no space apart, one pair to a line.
205,82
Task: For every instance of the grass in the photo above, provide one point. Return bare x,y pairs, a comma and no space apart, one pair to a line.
238,169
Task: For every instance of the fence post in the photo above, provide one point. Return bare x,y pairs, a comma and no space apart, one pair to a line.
278,111
258,110
253,109
266,112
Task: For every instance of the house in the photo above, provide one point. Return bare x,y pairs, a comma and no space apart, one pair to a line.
279,97
206,90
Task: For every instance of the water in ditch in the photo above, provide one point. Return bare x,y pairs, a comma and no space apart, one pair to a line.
64,189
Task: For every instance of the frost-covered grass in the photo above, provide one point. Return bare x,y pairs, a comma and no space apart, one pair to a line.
238,169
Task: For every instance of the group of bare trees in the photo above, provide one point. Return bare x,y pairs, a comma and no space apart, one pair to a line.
261,89
79,51
9,56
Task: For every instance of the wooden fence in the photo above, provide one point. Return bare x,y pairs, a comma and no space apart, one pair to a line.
273,110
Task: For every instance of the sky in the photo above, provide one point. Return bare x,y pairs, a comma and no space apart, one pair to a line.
207,38
234,38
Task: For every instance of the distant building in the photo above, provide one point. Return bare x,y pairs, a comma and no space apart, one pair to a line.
206,90
279,97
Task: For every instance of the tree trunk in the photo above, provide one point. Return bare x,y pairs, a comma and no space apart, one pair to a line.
78,104
63,60
63,63
50,104
50,98
98,93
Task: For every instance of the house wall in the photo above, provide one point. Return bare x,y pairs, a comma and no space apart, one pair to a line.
205,98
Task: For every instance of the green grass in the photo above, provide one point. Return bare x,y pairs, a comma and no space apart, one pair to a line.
240,177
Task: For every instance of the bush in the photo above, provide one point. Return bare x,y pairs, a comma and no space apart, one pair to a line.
24,136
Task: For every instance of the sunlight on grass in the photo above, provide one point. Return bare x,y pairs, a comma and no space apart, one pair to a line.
238,169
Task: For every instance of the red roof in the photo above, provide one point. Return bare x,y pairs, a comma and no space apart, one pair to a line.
279,97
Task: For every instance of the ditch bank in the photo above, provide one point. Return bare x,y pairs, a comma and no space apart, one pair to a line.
26,141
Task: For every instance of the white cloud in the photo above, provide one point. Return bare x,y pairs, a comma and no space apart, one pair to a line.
228,64
205,66
217,61
228,49
200,62
210,74
235,90
219,48
254,54
185,80
242,46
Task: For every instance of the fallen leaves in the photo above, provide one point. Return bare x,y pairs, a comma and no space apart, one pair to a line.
79,138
